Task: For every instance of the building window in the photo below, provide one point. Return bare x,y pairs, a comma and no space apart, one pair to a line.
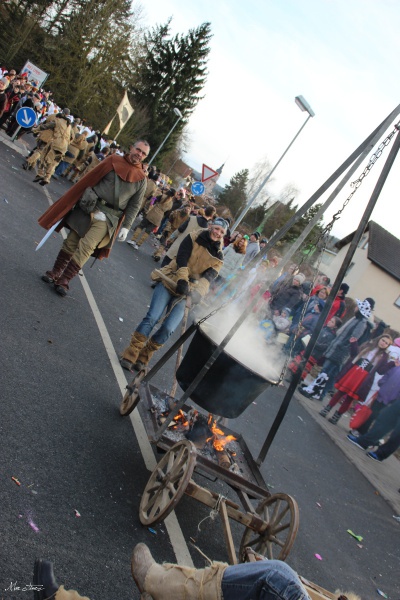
397,302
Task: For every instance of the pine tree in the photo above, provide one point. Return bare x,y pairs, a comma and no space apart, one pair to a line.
170,73
234,194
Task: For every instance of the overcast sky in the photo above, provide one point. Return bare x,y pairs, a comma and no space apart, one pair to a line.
341,55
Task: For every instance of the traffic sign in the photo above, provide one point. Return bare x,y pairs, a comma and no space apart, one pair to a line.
197,188
26,117
208,173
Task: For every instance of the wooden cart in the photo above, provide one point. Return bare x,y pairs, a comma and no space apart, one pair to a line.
270,521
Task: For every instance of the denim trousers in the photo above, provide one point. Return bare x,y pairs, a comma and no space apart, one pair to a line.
162,301
63,166
262,580
387,421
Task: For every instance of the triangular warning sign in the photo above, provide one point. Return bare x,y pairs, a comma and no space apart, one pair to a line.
208,173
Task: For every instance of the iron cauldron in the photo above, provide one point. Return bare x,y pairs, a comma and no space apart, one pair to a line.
228,388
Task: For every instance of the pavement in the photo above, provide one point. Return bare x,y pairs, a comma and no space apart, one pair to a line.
384,476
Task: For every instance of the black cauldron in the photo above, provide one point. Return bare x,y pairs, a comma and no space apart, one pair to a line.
228,388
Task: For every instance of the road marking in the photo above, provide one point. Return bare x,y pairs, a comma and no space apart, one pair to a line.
173,528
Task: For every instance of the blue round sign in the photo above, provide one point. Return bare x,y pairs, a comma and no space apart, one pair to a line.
26,117
198,188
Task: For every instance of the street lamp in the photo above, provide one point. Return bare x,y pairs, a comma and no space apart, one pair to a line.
304,106
180,116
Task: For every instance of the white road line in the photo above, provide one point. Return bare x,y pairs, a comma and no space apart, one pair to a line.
174,530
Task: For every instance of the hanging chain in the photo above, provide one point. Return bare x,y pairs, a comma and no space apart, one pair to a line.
356,184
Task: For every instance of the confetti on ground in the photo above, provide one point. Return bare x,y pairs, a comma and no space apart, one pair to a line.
318,556
153,531
255,403
357,537
5,200
77,513
360,545
15,168
121,319
131,277
16,480
318,504
381,593
33,525
298,416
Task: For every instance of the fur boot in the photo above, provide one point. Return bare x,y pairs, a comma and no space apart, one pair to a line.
131,353
136,234
142,239
173,581
146,354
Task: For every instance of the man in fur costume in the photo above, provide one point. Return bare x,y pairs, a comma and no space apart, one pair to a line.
94,209
197,263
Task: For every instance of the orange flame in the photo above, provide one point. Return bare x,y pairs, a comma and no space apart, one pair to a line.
219,438
180,419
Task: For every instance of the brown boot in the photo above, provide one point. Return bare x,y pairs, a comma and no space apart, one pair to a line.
61,262
142,239
61,285
146,354
131,353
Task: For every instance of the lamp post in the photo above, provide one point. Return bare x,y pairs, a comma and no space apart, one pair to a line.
305,107
180,116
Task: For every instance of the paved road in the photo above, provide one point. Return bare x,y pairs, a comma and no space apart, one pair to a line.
63,438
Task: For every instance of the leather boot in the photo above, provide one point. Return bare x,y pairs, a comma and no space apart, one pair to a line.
146,354
61,262
335,417
131,353
142,239
61,285
174,581
325,411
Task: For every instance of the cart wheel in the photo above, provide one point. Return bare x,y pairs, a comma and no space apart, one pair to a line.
132,398
167,483
281,523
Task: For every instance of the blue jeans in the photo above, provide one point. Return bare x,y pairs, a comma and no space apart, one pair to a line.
162,300
63,166
263,580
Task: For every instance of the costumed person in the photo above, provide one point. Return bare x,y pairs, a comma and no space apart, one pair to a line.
387,422
56,148
193,223
75,149
178,201
288,294
327,335
152,219
197,263
43,137
338,308
176,219
338,351
255,580
94,210
253,248
371,358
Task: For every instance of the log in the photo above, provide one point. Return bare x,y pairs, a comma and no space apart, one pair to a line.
223,459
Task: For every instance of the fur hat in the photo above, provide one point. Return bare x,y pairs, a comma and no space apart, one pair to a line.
364,307
300,278
345,288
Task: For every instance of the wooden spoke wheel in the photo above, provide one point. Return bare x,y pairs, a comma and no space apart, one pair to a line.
131,398
281,523
167,483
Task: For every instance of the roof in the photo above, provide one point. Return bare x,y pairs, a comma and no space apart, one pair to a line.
383,248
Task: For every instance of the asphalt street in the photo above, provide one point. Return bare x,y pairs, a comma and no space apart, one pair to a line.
62,436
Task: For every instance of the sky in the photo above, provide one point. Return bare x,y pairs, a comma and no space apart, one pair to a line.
340,55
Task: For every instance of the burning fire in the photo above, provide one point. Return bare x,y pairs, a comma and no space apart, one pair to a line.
181,420
219,438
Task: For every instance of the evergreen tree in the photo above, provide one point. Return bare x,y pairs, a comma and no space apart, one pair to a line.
169,73
234,194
